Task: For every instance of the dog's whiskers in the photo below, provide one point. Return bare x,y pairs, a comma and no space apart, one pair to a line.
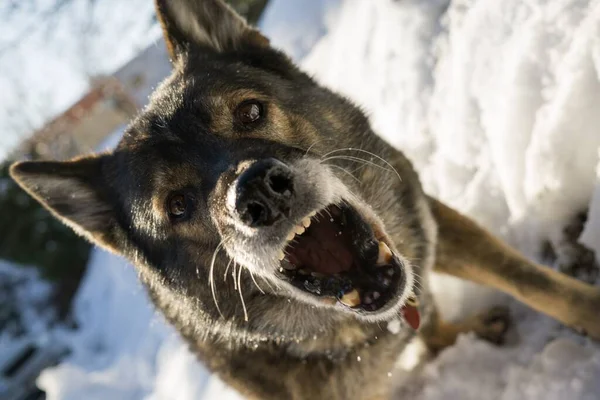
256,283
233,274
211,279
227,269
313,145
344,170
358,160
241,295
366,152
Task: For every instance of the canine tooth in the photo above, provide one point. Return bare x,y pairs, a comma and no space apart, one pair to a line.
412,301
288,265
385,254
351,299
291,236
306,222
328,300
281,255
299,230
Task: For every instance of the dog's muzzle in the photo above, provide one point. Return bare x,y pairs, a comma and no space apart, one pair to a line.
264,193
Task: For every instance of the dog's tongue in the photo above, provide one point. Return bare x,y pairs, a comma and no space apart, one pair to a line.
411,316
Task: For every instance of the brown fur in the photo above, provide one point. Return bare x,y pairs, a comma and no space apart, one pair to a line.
467,251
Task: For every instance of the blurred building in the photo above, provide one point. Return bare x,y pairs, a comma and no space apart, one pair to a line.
111,102
141,75
85,124
107,107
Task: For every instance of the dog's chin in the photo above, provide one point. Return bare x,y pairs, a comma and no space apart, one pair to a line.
339,258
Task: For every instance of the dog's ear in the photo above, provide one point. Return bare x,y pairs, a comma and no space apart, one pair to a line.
206,24
75,192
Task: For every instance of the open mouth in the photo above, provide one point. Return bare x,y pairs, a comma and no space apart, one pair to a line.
335,256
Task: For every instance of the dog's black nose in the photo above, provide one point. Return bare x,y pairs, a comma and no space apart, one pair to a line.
264,193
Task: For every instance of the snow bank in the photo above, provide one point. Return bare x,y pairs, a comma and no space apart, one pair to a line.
123,349
495,104
296,25
23,304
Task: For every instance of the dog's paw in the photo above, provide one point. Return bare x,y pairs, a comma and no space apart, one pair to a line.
492,325
578,261
571,257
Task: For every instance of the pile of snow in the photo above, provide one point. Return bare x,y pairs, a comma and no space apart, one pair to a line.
295,27
494,102
24,298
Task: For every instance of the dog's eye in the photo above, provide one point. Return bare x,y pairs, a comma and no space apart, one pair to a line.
177,205
249,112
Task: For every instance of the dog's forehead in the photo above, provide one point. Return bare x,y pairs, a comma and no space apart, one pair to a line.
205,77
198,99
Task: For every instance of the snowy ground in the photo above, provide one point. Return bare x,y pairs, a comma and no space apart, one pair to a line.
496,104
24,298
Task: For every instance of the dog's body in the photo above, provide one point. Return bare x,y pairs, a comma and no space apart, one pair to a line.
227,193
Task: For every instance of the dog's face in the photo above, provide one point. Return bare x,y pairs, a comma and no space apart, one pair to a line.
240,165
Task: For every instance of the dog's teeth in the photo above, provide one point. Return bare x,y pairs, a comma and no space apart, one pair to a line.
412,301
299,230
287,265
351,299
385,254
328,300
312,214
306,222
281,255
291,236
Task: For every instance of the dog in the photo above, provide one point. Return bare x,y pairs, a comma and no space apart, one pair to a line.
275,230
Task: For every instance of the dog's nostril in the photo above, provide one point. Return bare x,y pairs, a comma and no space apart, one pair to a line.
264,193
281,184
256,214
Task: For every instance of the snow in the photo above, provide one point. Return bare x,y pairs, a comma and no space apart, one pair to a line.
123,350
23,298
295,27
495,103
47,59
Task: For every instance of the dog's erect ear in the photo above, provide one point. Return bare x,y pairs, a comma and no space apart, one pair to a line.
206,24
75,192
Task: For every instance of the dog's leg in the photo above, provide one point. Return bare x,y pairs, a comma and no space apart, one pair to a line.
469,252
490,325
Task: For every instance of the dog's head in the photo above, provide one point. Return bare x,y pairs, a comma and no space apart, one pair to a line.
240,163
